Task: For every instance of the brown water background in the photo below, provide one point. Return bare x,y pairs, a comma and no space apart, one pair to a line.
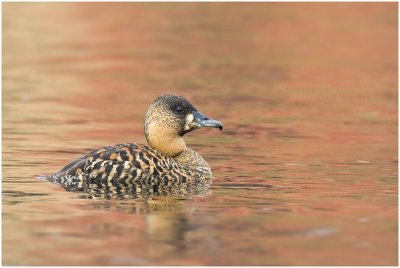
305,169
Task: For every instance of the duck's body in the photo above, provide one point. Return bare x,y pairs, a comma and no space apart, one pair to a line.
134,163
166,161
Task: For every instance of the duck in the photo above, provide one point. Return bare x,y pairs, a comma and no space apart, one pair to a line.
166,161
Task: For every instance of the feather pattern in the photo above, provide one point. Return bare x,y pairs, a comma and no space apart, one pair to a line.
129,163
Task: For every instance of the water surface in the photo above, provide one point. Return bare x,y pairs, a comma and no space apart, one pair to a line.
305,169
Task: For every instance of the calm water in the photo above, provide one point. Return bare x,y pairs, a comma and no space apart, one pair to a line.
305,169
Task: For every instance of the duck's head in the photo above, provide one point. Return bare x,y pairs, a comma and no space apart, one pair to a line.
169,118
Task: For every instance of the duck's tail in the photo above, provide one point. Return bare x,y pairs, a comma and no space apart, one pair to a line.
51,178
42,178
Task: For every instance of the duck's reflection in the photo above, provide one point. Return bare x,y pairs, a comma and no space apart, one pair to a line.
165,209
165,223
146,191
135,190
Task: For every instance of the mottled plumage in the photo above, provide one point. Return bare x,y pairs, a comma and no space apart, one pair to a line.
166,162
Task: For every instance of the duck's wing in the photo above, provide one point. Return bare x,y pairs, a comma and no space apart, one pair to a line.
121,163
80,164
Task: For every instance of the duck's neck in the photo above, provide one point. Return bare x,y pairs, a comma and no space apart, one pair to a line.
193,162
165,140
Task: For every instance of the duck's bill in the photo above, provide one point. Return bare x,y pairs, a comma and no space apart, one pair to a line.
200,120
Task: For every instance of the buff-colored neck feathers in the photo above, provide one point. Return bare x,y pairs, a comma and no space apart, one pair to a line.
164,139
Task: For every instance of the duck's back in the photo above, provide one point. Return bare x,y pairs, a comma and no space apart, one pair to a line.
121,163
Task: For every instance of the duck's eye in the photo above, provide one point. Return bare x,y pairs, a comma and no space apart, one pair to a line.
179,109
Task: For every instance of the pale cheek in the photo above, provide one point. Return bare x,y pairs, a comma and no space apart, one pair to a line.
189,119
